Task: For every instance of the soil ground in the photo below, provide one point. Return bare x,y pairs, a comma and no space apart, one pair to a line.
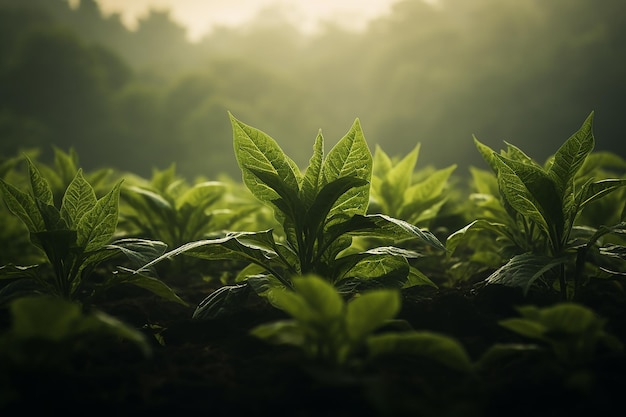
215,368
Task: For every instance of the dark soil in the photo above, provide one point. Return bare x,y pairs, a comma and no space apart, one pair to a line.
216,368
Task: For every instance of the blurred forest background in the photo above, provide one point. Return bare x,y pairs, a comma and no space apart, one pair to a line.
525,71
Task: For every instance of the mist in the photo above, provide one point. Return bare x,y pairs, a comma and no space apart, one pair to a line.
527,72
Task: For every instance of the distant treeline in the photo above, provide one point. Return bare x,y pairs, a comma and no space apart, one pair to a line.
525,71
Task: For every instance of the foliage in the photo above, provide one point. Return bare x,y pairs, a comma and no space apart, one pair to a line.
171,210
49,330
319,211
337,333
75,239
394,193
573,332
535,218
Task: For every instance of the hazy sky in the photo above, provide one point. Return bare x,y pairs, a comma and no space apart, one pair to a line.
200,15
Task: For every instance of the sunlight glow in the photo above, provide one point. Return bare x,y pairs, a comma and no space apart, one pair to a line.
200,16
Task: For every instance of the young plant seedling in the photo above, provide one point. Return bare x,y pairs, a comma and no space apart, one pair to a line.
75,239
572,332
337,333
319,210
541,205
394,193
170,210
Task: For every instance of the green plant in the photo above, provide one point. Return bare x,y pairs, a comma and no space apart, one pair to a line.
49,332
337,333
171,210
396,192
320,211
75,239
535,218
573,332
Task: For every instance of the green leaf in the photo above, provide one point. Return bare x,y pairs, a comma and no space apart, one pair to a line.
312,180
522,270
41,188
431,188
472,229
519,197
383,226
313,301
592,191
201,195
571,155
97,226
151,284
488,154
392,182
223,301
430,345
350,157
23,206
79,198
327,197
256,150
369,311
282,332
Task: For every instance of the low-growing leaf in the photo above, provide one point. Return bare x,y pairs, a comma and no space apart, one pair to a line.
523,270
438,347
369,311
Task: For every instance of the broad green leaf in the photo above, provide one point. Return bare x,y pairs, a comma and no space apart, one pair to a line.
569,158
438,347
202,194
488,154
417,277
327,197
522,270
593,191
66,164
514,153
223,301
79,198
380,225
519,197
392,184
320,296
23,206
370,310
139,251
287,332
256,150
151,284
312,179
382,162
431,188
544,193
313,301
97,226
154,200
350,157
484,182
288,200
474,228
377,268
41,188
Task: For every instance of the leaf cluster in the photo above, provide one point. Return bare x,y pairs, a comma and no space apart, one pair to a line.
533,209
75,239
337,333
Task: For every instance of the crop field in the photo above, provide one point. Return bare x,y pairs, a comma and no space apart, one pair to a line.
361,284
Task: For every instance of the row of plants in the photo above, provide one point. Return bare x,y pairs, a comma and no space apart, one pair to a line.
334,246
